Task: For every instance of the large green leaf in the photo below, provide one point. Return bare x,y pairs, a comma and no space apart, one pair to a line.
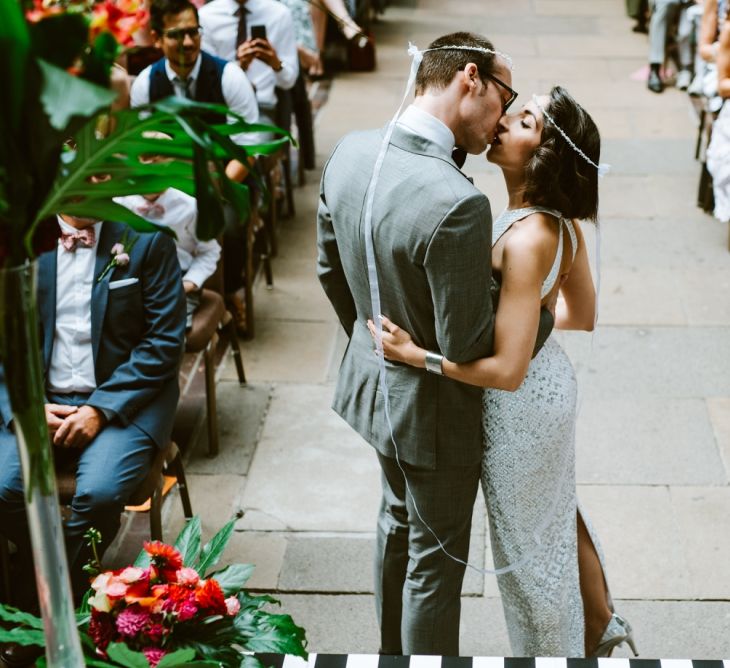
179,658
193,145
232,578
188,541
279,634
23,636
10,614
126,657
14,55
211,553
65,96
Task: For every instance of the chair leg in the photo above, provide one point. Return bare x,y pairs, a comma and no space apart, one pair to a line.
700,132
210,402
288,184
156,512
270,219
230,332
6,591
177,468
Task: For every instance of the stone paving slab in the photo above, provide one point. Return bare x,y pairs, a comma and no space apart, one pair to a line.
282,352
241,413
326,477
264,550
719,411
642,156
703,518
647,441
642,542
652,361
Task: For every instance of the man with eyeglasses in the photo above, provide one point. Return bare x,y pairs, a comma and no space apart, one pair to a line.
431,231
188,71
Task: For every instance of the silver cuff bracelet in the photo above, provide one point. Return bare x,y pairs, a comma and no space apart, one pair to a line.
434,363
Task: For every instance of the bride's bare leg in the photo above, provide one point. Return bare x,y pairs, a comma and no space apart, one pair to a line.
593,589
346,23
319,22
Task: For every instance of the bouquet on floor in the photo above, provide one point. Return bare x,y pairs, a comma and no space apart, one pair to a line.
172,608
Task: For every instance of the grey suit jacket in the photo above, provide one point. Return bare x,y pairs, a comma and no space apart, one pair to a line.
432,238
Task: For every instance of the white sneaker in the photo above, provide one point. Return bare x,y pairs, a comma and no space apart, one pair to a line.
695,88
684,78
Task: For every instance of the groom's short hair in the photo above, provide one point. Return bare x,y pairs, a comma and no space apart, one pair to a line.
438,68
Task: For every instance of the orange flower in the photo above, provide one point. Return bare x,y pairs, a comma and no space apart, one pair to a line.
209,596
164,556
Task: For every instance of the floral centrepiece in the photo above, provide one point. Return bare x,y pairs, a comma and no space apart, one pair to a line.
171,608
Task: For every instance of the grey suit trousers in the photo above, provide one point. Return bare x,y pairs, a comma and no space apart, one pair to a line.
418,595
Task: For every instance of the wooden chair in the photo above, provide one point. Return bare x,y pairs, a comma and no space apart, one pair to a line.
150,488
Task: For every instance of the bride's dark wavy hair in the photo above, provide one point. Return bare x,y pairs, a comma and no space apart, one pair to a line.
557,177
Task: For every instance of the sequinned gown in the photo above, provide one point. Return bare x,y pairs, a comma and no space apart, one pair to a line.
528,467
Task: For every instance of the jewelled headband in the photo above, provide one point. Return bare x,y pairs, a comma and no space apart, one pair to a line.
602,168
415,52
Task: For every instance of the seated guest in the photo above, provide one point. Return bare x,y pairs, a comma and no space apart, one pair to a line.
187,71
198,259
662,16
230,29
112,316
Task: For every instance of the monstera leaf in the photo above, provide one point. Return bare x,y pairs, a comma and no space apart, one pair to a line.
99,168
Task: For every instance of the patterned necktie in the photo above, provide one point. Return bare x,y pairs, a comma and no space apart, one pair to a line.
185,85
241,35
85,238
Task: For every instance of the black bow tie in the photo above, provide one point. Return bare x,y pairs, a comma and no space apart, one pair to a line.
458,155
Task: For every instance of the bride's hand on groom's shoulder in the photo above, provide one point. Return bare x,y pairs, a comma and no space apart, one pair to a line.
398,345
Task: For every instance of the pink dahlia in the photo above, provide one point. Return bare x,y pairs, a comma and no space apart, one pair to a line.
131,621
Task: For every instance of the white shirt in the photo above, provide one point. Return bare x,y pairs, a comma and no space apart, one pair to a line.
72,356
220,30
237,93
429,127
198,259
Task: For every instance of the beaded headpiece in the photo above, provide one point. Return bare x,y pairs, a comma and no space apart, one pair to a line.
602,168
417,54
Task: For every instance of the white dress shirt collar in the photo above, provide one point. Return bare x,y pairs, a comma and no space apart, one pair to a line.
193,76
70,229
429,127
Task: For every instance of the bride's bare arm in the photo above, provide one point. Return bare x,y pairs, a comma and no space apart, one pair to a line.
525,262
576,308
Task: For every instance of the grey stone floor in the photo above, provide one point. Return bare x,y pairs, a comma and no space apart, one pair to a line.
653,436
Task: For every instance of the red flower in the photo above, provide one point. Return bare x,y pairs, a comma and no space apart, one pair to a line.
101,628
209,597
166,558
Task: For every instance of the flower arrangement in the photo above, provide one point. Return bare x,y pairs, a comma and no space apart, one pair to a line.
171,608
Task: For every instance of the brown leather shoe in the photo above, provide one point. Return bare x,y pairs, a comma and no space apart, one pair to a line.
237,308
19,656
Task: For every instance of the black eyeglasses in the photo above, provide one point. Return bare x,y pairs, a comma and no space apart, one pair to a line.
512,93
179,34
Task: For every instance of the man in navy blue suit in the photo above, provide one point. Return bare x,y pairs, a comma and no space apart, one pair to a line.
112,313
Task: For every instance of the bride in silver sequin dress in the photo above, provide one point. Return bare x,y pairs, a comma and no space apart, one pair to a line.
556,600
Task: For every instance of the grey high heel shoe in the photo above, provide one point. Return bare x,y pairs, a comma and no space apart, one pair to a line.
618,631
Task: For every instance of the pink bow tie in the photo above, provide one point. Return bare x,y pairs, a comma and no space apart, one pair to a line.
151,210
85,238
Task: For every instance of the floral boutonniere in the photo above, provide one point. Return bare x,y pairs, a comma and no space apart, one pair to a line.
120,253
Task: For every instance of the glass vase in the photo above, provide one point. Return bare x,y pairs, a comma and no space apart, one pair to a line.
20,349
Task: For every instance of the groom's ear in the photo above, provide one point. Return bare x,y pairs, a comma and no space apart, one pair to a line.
470,75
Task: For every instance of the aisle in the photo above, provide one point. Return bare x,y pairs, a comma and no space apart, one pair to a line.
654,431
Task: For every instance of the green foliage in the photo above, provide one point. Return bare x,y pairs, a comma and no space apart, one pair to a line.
211,553
188,541
64,96
14,55
123,656
232,578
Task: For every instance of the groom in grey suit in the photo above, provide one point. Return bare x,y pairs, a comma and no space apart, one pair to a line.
432,240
